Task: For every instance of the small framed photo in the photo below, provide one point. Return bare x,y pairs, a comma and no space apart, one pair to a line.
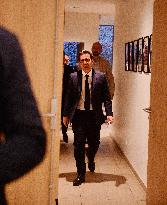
146,68
126,56
131,57
135,55
150,52
140,55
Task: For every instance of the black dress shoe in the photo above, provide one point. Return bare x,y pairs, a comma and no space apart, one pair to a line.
79,180
91,166
65,137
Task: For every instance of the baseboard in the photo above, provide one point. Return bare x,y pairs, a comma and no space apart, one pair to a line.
131,167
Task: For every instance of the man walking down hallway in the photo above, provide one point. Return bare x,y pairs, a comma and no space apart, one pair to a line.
88,89
102,65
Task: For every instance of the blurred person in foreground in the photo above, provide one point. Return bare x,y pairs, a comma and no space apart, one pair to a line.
22,136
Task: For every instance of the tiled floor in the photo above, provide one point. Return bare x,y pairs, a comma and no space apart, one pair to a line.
113,182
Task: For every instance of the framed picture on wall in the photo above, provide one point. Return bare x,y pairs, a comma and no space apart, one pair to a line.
140,55
126,56
150,52
131,57
146,55
135,55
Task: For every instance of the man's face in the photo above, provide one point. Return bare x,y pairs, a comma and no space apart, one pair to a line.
96,49
85,62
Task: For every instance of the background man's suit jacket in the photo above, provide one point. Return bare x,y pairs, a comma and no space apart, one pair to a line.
99,94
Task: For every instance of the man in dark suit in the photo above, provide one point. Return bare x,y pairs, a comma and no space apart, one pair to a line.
66,75
22,136
87,90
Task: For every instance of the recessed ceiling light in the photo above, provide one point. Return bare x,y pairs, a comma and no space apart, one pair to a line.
75,7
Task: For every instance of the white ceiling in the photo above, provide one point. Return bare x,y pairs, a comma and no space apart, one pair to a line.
103,7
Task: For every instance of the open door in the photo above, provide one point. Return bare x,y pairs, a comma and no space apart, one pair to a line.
157,155
34,23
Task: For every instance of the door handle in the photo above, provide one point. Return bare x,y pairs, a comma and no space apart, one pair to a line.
147,109
48,115
52,114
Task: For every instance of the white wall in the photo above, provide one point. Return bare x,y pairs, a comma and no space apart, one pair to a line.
81,27
133,20
106,20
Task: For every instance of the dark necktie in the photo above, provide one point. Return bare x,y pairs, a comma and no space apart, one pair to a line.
87,94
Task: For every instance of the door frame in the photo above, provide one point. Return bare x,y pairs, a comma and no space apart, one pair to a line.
57,93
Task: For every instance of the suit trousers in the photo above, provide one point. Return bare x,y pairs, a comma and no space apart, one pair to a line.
85,129
2,195
63,128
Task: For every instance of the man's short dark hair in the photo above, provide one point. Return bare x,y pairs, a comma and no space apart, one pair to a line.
97,43
85,52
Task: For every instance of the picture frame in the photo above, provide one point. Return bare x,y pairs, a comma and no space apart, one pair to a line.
146,68
131,56
150,52
140,55
135,55
127,56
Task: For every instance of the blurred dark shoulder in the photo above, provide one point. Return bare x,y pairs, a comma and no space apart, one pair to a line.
68,69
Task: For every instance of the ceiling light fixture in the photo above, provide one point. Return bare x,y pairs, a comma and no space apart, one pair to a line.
75,7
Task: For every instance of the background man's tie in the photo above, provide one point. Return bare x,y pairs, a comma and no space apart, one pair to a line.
87,94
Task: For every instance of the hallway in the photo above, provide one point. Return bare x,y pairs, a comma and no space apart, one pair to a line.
113,182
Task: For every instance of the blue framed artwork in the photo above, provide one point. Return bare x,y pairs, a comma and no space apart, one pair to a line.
72,49
106,39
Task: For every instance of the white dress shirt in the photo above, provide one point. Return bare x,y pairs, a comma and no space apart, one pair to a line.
82,99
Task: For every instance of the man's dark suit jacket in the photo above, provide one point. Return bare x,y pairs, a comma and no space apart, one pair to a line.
99,94
66,75
20,122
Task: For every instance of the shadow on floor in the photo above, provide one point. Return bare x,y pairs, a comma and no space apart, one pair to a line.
95,177
64,147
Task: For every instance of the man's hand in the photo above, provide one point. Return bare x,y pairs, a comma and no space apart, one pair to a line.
110,119
66,121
